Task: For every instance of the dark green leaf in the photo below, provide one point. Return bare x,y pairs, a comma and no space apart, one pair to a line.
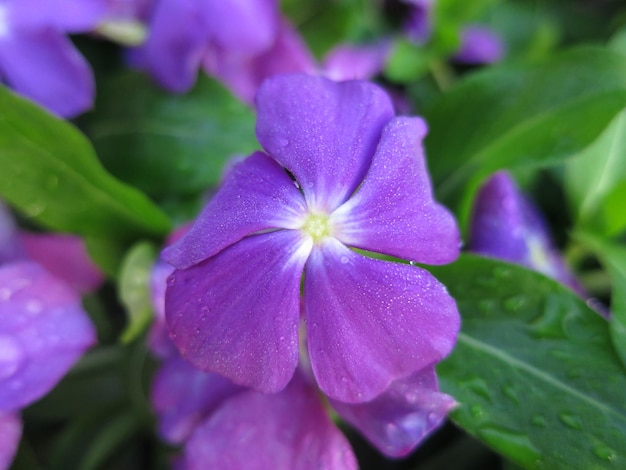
134,288
167,144
521,115
50,172
613,257
534,370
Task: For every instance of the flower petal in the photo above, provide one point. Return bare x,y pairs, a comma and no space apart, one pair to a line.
182,396
479,45
43,332
237,313
323,132
242,27
393,212
66,257
10,433
67,16
46,67
350,62
506,225
370,322
285,431
401,417
257,194
178,38
244,75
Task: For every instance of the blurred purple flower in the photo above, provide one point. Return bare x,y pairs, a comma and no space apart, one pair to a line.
356,177
355,62
507,226
38,61
418,25
43,332
479,45
10,432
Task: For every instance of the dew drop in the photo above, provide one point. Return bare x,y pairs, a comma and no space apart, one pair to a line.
538,421
282,338
344,260
571,421
197,331
512,443
476,411
283,142
603,452
171,280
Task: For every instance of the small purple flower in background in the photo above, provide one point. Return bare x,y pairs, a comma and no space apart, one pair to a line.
38,61
359,180
355,62
507,226
418,25
43,328
479,45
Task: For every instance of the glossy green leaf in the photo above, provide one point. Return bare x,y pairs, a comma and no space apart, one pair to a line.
50,172
521,115
613,213
134,288
534,370
613,257
595,172
168,144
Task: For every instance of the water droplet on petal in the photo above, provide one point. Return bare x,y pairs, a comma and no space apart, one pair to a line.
171,280
283,142
344,260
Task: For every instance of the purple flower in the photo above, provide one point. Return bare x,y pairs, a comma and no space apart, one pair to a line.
479,45
38,61
507,226
340,171
43,332
350,62
10,432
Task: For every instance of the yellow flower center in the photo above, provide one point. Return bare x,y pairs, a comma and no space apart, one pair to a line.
317,226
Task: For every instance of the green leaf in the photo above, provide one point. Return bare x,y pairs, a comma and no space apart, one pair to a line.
533,370
613,213
521,115
407,61
134,289
167,144
50,172
613,257
595,172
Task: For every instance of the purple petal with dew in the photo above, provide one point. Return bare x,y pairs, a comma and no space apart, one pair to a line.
10,433
479,45
11,248
403,415
370,322
257,195
352,62
237,313
182,396
507,226
65,257
393,212
242,27
244,75
67,16
43,332
323,132
285,431
177,40
46,67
